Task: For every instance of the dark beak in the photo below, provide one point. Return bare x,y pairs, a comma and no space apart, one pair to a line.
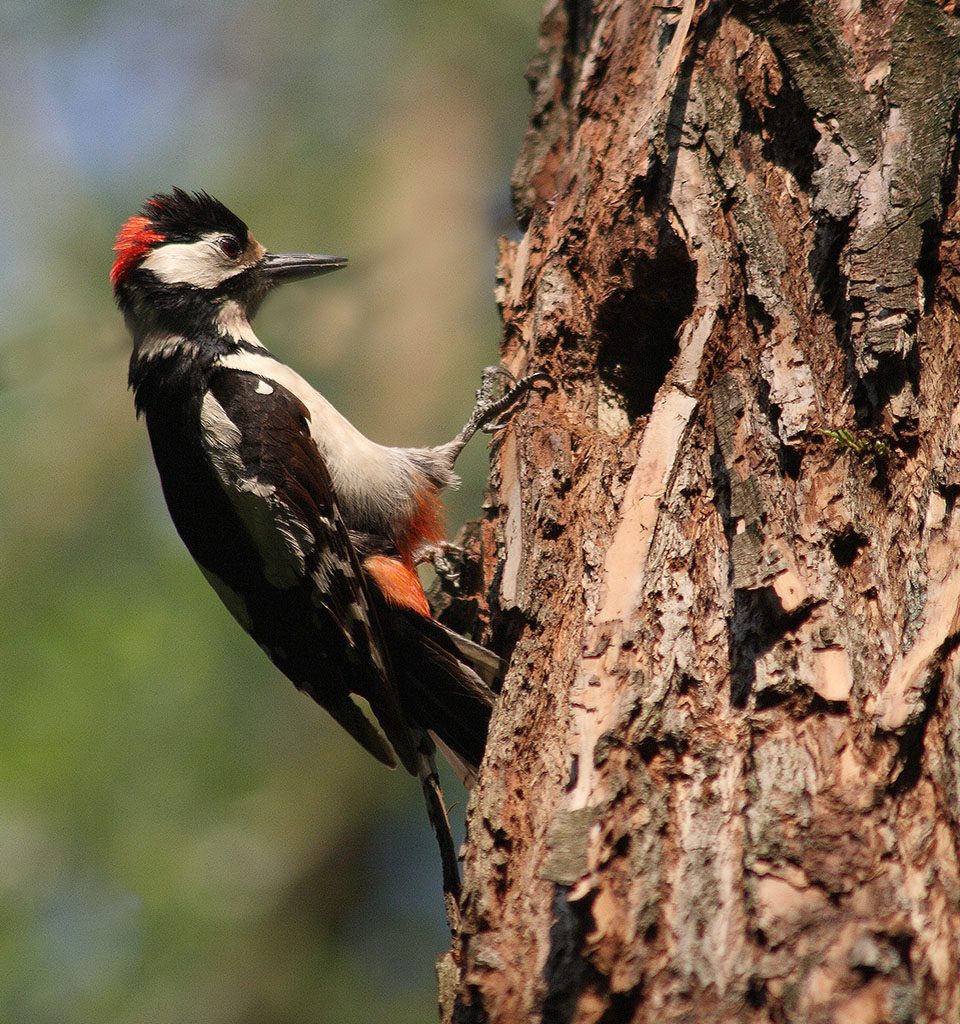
278,268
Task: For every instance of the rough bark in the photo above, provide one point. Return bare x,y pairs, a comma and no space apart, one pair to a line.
723,555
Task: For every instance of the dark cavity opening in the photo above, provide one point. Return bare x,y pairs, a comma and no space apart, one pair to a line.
639,323
847,545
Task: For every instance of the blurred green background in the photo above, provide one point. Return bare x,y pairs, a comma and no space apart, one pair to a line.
183,837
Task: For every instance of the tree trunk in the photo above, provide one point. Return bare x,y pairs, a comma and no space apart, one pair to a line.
723,555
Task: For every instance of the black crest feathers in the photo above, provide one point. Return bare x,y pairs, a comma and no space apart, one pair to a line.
182,216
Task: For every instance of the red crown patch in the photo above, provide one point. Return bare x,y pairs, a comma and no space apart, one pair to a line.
134,241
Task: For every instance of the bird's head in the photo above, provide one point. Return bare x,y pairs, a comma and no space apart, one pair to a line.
186,258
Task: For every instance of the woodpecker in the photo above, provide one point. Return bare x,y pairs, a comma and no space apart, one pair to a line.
308,531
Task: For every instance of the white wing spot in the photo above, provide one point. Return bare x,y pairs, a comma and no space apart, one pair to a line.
263,388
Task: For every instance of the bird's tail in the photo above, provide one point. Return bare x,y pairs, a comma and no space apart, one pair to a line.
445,686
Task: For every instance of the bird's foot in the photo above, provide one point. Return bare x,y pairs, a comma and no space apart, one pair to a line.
497,396
445,557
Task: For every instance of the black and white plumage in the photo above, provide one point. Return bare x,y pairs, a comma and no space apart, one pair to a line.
306,529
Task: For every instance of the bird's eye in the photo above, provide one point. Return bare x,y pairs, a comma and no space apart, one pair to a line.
229,246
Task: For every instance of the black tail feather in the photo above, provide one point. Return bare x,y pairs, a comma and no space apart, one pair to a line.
444,682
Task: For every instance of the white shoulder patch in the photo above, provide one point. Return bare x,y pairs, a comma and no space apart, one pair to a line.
282,540
221,437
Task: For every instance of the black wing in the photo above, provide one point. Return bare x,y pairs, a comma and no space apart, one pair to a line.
310,610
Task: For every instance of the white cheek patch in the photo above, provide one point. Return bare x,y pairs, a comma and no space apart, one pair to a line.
200,264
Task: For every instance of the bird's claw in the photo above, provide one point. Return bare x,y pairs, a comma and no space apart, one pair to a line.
491,381
490,405
439,556
493,406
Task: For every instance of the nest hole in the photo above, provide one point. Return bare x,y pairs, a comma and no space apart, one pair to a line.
639,323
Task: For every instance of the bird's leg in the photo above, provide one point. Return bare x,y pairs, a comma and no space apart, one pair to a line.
437,813
489,405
